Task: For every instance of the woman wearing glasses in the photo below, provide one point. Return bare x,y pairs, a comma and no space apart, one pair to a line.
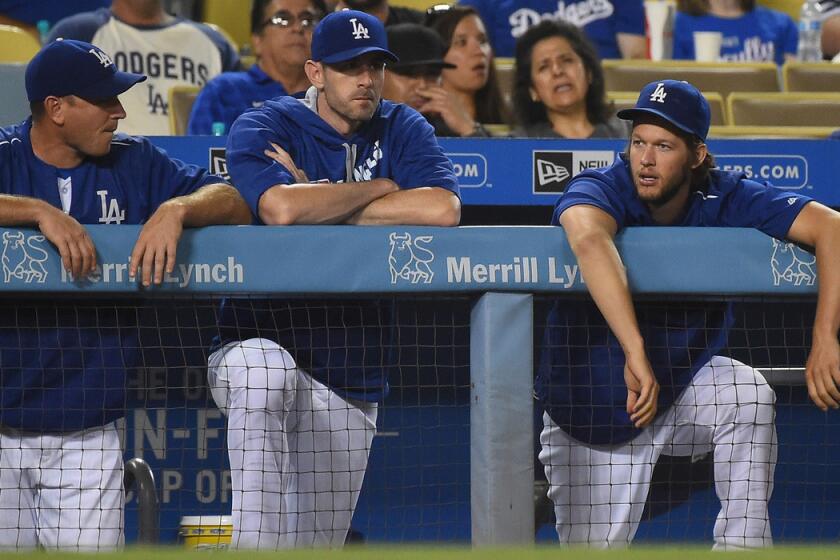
469,96
559,87
281,34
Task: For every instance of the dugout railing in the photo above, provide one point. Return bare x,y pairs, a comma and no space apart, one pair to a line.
486,289
139,477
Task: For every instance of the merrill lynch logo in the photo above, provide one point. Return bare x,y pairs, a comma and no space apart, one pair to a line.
409,258
23,257
792,265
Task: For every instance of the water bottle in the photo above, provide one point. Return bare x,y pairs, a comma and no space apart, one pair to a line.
43,27
810,27
218,128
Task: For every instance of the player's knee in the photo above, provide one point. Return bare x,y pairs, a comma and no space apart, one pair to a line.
257,364
755,389
749,387
765,395
753,401
261,374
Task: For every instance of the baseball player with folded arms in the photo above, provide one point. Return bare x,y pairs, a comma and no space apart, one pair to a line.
622,383
63,364
298,381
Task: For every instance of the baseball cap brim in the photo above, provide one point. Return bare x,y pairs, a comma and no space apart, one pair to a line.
112,86
350,54
633,113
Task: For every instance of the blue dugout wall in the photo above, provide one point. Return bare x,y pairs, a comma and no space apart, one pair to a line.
181,434
496,270
531,172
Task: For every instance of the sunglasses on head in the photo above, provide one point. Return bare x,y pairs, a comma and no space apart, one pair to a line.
433,12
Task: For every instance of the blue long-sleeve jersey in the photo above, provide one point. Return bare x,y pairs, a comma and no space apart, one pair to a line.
63,363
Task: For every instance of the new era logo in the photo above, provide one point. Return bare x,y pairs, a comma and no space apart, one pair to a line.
359,30
218,163
552,171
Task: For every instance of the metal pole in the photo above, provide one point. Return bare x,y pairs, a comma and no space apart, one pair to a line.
138,471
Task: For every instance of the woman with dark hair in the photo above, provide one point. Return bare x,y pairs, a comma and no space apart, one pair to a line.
469,94
559,86
751,33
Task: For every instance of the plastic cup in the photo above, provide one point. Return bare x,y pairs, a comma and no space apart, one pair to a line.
707,46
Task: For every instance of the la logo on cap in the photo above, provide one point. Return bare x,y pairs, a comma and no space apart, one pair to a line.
103,58
359,30
659,93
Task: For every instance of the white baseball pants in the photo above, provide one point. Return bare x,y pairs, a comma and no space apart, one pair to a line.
599,492
298,451
61,491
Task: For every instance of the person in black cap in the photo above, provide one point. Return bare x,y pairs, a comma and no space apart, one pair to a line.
389,15
298,381
623,382
415,80
64,365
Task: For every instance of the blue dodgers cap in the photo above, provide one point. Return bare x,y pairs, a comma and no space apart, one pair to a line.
69,67
679,103
346,34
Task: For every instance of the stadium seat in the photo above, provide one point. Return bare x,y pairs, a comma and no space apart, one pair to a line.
14,106
790,7
811,76
181,99
626,99
223,32
771,131
16,45
498,129
722,77
233,17
416,4
247,60
506,72
784,109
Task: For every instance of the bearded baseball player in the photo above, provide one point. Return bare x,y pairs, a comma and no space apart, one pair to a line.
623,383
63,365
300,381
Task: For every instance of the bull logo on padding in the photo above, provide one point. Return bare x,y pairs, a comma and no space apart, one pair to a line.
23,257
792,265
409,258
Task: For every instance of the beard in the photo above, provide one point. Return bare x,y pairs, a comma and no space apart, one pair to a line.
668,191
349,112
363,4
